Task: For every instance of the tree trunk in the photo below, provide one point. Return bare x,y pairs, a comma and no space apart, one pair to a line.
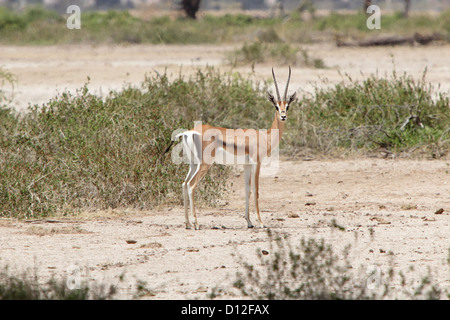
407,6
367,4
191,7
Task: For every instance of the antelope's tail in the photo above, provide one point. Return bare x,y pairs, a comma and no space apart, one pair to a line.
185,133
168,148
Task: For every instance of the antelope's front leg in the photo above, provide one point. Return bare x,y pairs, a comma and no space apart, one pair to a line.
256,170
247,177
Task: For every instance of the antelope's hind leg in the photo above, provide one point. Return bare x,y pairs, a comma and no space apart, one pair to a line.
198,175
191,172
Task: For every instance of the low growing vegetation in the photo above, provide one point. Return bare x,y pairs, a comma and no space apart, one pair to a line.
314,271
395,114
27,286
276,53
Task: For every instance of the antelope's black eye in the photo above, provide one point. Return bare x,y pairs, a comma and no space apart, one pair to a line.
278,109
287,107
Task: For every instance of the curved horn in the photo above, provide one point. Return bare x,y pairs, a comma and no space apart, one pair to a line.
287,84
276,86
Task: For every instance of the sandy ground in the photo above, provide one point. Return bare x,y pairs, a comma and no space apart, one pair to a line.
387,207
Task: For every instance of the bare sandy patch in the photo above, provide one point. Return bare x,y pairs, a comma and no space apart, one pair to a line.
43,72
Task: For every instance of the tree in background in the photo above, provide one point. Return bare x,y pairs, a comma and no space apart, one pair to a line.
307,6
407,6
191,7
367,3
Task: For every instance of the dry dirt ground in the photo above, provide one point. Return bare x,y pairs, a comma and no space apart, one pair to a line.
387,206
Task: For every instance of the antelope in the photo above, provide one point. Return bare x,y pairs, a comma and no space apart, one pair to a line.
205,145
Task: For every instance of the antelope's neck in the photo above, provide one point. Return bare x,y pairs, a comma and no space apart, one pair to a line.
275,132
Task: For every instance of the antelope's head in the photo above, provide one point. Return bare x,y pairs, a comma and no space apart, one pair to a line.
282,106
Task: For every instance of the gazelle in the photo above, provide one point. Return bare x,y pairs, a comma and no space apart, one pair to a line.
205,145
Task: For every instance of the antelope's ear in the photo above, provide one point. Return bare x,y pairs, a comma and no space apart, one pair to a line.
271,98
292,98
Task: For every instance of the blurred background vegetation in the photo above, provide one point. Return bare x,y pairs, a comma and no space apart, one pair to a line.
30,22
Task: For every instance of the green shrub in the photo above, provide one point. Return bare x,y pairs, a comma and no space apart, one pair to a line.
10,21
82,151
398,113
277,53
39,13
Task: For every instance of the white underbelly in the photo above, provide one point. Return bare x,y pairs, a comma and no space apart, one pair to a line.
229,158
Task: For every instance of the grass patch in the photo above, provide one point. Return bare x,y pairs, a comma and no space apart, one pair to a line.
276,53
312,270
28,287
7,79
